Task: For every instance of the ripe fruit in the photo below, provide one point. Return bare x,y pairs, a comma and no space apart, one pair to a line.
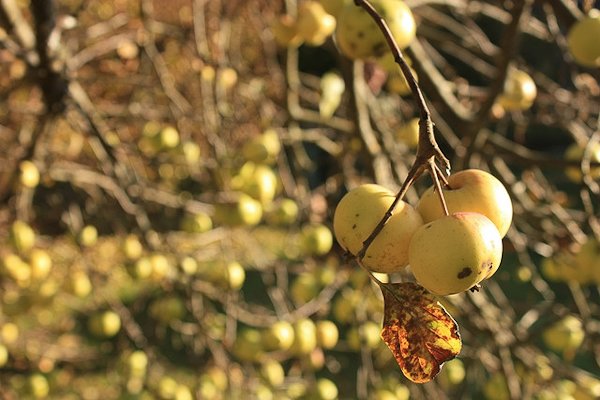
583,42
105,324
282,212
88,236
565,335
248,345
137,363
470,190
454,253
357,214
257,181
263,149
38,386
29,174
326,389
327,334
167,138
519,91
409,133
314,24
304,288
41,264
272,372
22,236
575,153
358,36
80,284
132,247
279,336
197,223
243,211
305,337
316,239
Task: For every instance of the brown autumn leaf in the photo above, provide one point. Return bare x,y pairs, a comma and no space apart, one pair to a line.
418,330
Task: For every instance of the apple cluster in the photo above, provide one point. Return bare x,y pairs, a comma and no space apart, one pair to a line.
447,254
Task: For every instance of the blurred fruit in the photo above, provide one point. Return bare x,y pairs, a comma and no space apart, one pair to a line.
257,181
263,149
245,211
285,31
452,374
564,336
316,239
22,236
272,372
88,236
17,269
305,337
9,333
167,387
279,336
29,174
333,7
191,152
183,393
345,304
304,288
357,215
454,253
38,386
137,363
235,275
80,284
3,355
227,78
167,138
196,223
128,50
167,309
282,212
105,324
132,247
40,263
161,267
248,345
358,36
314,24
409,133
583,42
327,334
326,389
470,190
519,91
332,89
575,153
496,388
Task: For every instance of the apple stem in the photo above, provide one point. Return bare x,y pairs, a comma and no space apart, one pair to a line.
434,171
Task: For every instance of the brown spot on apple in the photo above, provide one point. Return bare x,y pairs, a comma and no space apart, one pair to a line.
466,271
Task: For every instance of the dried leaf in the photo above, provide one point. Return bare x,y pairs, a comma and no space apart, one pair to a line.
418,331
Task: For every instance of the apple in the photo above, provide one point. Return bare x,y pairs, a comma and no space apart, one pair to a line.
452,374
397,83
263,149
22,236
161,267
189,266
243,211
88,236
38,386
17,269
272,372
197,223
333,7
141,268
105,324
305,337
257,181
470,190
167,387
344,306
80,284
282,212
496,388
326,389
358,213
327,334
314,24
132,247
183,393
40,263
285,31
409,133
332,89
235,275
9,333
29,174
316,239
358,36
248,345
519,91
279,336
454,253
191,152
167,309
304,288
167,138
368,334
564,336
582,40
227,78
137,363
575,153
128,50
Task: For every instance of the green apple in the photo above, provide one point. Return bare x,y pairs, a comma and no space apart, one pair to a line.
454,253
327,334
88,236
326,389
575,153
316,239
243,211
29,174
282,212
305,337
357,215
519,91
197,223
40,263
105,324
278,336
314,24
470,190
22,236
565,335
582,40
358,36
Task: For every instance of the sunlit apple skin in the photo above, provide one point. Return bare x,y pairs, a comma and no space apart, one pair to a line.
583,42
409,133
519,91
359,212
564,335
314,24
471,190
278,336
358,36
454,253
30,175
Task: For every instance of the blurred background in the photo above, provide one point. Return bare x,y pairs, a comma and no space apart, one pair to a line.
169,172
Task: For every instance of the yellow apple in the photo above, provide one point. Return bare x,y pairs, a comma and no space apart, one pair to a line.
104,324
196,223
409,133
137,363
30,175
272,372
88,236
314,24
565,335
132,247
357,215
22,236
305,337
191,152
167,138
575,153
316,239
278,336
327,334
282,212
285,31
326,389
519,91
41,264
332,89
471,190
38,386
583,42
80,284
454,253
244,211
358,36
17,269
263,149
257,181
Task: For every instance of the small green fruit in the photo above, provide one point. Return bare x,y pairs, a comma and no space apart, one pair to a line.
316,239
